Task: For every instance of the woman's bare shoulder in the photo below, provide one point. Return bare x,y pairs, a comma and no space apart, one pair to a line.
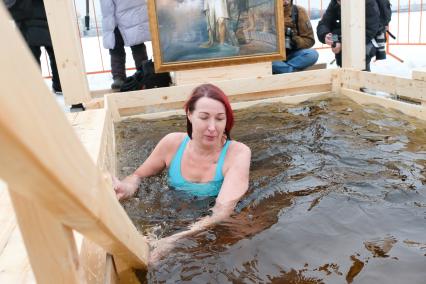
239,147
238,152
172,139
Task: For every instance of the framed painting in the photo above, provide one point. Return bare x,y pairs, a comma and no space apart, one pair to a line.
191,34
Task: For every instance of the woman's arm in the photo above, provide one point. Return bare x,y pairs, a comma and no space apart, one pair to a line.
153,165
234,186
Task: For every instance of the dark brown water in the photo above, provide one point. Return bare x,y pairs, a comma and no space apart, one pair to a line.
337,195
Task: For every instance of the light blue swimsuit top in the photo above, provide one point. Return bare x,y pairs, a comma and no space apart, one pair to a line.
177,182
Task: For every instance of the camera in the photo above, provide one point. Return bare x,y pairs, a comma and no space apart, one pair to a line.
288,40
336,39
379,43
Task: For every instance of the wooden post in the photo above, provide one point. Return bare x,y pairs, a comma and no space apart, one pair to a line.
353,34
68,53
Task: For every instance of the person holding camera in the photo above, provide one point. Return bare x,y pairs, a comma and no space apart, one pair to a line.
329,29
299,38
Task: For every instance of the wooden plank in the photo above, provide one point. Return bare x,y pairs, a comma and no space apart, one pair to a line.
68,52
126,274
316,67
95,130
419,74
336,81
111,276
366,99
111,106
14,264
50,245
89,126
42,142
235,98
353,34
293,99
95,103
7,217
178,94
415,89
207,75
93,262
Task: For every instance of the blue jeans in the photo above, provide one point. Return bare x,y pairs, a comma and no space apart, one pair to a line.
296,60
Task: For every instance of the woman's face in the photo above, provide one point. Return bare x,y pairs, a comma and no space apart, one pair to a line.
208,121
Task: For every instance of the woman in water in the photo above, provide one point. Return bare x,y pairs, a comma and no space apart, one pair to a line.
202,162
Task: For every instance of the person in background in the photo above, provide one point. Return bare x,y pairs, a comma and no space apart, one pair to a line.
30,18
124,23
299,38
203,162
329,29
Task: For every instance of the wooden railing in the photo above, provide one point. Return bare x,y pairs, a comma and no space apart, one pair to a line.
54,184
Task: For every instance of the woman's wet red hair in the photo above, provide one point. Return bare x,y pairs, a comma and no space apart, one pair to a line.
212,92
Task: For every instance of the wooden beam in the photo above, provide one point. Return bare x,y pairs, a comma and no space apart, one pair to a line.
199,76
293,99
366,99
93,261
73,190
43,161
415,89
111,276
95,130
353,34
7,220
419,74
275,85
14,263
50,245
235,98
336,81
68,51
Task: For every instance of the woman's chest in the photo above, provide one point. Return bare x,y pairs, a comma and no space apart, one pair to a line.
198,170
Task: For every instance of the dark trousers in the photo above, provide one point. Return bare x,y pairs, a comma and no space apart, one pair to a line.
118,56
36,51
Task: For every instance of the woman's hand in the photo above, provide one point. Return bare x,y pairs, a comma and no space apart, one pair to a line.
162,247
125,188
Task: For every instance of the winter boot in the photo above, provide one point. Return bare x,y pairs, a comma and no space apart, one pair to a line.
117,83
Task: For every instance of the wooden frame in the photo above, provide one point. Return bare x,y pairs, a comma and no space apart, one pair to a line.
53,182
58,187
199,55
95,129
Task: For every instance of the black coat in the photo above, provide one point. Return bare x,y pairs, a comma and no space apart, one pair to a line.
30,17
331,20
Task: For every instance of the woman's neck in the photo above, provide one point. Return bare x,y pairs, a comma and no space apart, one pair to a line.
202,150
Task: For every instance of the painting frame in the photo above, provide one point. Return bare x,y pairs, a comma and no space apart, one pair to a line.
161,65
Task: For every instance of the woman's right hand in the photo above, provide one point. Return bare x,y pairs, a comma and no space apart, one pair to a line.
125,188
